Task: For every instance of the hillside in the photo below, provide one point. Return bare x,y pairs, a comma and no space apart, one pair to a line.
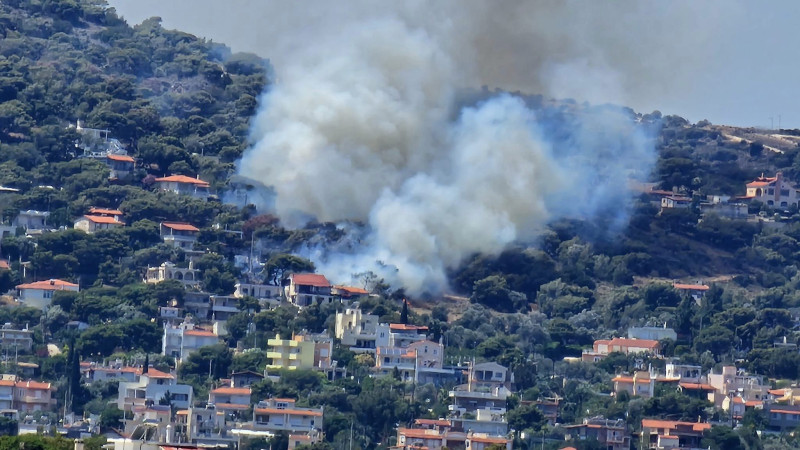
118,153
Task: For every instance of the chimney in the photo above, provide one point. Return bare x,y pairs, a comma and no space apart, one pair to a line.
78,442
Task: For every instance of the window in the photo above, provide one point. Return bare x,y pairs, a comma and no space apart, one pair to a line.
771,191
48,294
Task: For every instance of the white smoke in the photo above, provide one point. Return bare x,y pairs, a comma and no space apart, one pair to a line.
364,124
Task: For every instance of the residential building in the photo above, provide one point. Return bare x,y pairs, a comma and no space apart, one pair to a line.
304,289
302,351
150,387
229,399
675,202
773,191
170,314
158,415
179,235
259,291
7,384
31,220
685,372
782,417
223,306
438,437
281,414
16,340
92,223
733,381
641,383
120,165
357,330
399,335
206,426
420,362
613,434
696,291
488,386
550,408
197,304
349,293
106,212
188,276
39,294
183,339
92,372
245,378
183,185
602,347
652,333
668,434
30,396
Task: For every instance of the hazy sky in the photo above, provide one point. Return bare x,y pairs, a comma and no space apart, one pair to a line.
731,62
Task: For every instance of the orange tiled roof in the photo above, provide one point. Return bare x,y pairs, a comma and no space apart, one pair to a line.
32,385
703,386
437,422
417,433
621,379
287,400
231,406
180,226
671,424
353,290
103,219
201,333
310,279
753,403
104,211
489,440
123,158
785,411
777,392
625,342
291,412
9,383
154,373
48,285
231,390
404,327
182,179
4,264
690,287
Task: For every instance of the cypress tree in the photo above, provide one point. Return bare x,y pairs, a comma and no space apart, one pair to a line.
404,313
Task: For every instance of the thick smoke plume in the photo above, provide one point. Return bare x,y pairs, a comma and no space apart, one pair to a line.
364,123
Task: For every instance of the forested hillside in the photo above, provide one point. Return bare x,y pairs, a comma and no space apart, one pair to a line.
180,105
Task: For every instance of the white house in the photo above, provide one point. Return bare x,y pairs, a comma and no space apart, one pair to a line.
181,184
92,223
31,220
120,165
150,388
39,294
185,338
357,330
188,276
179,235
304,289
281,414
773,191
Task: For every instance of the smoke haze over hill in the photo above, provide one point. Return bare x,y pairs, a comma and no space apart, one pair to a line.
364,122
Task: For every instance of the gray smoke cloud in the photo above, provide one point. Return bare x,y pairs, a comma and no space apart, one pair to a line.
364,122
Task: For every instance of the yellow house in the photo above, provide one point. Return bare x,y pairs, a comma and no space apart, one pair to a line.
292,354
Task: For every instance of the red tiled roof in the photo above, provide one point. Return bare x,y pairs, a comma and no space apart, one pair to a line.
738,400
625,342
32,385
404,327
670,424
197,332
489,440
9,383
48,285
155,373
104,211
690,287
182,179
238,406
785,411
291,412
703,386
753,403
4,264
124,158
310,279
621,379
103,219
778,392
352,290
231,390
759,183
416,433
180,226
436,422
